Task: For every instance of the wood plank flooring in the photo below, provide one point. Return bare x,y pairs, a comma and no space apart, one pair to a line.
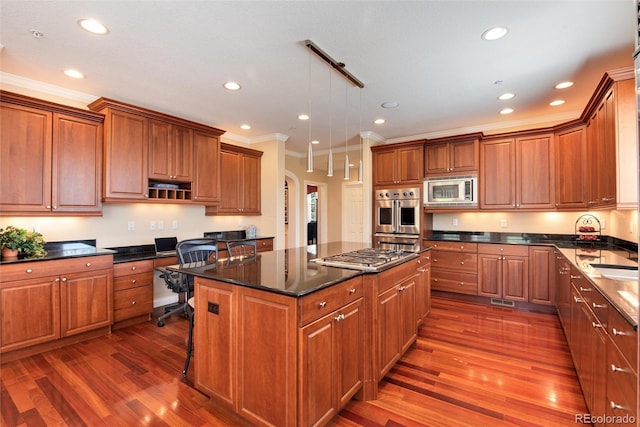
472,365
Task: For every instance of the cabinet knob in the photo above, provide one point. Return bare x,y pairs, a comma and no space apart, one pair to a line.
352,291
402,288
133,281
57,280
435,280
576,299
594,305
323,304
133,268
596,325
585,289
28,270
461,262
48,206
339,317
461,246
616,332
614,368
501,249
575,277
461,283
88,264
133,302
64,279
614,405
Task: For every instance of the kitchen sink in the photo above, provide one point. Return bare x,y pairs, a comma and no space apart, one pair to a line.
617,272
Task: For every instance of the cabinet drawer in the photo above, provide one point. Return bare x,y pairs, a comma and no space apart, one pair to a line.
36,269
452,246
461,283
132,302
133,267
498,249
265,245
318,304
623,335
389,278
132,281
621,383
596,302
458,261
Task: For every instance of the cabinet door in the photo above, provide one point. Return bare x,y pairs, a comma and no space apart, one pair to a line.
490,275
29,312
125,175
230,182
85,301
384,163
389,330
410,166
77,165
572,165
407,292
436,159
535,180
498,176
161,153
515,278
463,156
563,294
182,164
25,159
251,185
214,335
206,180
542,275
349,340
607,152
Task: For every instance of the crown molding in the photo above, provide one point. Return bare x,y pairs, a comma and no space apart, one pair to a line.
73,95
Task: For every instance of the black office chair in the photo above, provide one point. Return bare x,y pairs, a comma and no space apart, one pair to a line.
188,251
246,248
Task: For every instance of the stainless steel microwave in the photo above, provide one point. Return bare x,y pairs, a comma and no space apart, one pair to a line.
451,191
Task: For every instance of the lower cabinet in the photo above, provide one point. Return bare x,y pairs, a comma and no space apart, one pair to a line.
542,275
454,267
503,271
41,302
423,287
132,292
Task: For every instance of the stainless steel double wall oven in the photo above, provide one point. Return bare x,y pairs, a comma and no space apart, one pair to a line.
397,219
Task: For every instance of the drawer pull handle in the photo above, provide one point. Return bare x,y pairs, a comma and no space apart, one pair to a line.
614,368
133,281
352,291
501,249
88,264
427,258
133,268
133,302
585,289
596,325
575,277
29,270
576,299
323,304
339,317
594,305
461,246
461,283
435,280
435,260
617,332
614,405
402,288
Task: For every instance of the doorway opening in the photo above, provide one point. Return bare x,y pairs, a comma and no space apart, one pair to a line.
312,214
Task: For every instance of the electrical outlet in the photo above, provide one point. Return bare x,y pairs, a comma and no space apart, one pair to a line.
454,222
212,307
152,225
503,223
35,227
174,224
130,226
160,225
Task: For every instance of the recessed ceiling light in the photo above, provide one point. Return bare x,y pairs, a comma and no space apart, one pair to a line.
495,33
564,85
93,26
506,96
556,102
74,73
379,121
315,141
232,86
303,117
245,127
390,104
506,111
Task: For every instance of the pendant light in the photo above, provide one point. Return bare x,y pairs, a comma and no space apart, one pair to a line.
360,171
330,159
346,134
310,148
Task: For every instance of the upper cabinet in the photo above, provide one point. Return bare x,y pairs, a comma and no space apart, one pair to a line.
156,157
399,164
517,173
239,182
572,168
449,156
50,158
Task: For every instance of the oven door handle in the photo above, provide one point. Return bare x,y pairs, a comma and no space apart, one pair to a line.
396,215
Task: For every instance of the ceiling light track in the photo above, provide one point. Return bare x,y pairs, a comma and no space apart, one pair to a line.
338,66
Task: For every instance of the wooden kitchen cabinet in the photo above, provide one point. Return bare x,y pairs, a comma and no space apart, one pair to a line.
170,152
542,275
50,157
451,156
503,271
398,165
572,168
563,293
454,267
239,182
423,286
65,298
132,292
518,173
206,180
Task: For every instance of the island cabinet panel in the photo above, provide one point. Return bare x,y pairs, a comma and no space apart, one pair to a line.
50,157
215,340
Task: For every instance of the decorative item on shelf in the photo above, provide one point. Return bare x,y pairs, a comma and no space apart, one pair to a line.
251,231
588,229
17,242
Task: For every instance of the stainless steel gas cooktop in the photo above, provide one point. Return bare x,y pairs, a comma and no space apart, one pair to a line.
368,259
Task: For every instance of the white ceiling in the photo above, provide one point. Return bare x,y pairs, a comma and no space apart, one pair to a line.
173,57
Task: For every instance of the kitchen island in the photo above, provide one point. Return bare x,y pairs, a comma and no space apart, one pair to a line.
284,341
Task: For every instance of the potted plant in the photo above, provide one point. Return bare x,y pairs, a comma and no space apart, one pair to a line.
16,240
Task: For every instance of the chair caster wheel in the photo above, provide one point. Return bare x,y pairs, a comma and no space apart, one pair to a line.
160,323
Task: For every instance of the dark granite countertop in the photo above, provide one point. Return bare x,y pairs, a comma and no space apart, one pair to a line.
71,249
288,271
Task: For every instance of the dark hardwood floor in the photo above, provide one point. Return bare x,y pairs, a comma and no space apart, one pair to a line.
472,365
